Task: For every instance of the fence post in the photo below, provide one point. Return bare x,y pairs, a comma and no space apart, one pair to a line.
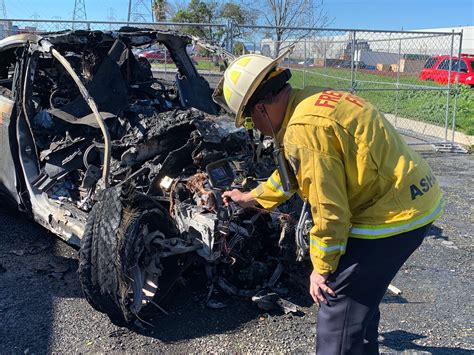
457,87
226,29
352,88
449,89
231,40
166,62
325,66
304,65
397,101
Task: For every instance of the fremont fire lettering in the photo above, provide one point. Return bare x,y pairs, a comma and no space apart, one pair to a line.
326,98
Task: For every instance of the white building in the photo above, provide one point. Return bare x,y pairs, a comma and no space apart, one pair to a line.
382,45
467,36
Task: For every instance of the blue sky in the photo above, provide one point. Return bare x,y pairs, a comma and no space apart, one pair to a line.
357,14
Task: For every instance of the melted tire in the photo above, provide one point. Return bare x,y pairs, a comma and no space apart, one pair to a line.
98,272
112,243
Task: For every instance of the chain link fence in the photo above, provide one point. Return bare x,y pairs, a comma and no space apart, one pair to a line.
384,67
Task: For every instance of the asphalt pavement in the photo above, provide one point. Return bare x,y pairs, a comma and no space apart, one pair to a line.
42,309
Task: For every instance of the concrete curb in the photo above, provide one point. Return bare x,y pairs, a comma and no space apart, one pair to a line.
432,132
174,71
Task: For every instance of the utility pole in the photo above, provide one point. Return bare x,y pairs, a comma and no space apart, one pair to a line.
79,13
3,9
140,11
111,16
5,26
58,26
34,27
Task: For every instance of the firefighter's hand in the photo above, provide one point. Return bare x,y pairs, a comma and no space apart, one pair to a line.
243,199
317,285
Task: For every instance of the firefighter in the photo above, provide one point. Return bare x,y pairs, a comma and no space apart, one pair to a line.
372,197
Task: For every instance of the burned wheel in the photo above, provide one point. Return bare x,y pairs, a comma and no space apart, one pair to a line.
117,270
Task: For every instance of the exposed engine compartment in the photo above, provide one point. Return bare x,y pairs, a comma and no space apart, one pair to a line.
137,188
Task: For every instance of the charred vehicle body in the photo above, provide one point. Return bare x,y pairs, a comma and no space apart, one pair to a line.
130,169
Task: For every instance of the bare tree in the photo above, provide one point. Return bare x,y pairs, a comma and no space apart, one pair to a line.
322,48
282,14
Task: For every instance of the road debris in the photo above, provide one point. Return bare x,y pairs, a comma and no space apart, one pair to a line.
394,290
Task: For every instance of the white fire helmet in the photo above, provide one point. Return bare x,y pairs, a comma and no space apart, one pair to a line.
240,80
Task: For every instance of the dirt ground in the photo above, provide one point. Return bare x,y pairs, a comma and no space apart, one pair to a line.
42,308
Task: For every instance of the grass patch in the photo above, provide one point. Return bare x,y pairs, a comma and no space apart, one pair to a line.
200,65
206,65
422,105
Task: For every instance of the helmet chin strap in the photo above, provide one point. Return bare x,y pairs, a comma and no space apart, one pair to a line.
287,176
265,113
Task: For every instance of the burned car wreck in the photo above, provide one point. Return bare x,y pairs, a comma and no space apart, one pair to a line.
130,169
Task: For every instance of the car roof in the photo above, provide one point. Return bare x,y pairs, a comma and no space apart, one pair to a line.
445,56
134,36
19,40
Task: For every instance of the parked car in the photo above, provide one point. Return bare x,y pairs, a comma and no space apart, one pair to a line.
130,170
436,69
308,62
348,64
156,56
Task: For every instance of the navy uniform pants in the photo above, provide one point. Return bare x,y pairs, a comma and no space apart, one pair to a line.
349,323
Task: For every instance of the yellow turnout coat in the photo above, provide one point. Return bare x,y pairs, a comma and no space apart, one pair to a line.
359,176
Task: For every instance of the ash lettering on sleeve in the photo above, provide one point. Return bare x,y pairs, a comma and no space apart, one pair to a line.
423,186
329,99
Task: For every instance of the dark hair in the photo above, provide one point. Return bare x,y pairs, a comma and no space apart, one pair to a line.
270,97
